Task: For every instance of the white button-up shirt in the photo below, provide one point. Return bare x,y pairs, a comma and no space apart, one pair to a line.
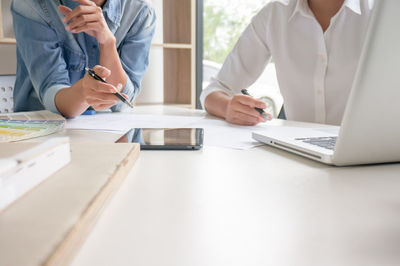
315,69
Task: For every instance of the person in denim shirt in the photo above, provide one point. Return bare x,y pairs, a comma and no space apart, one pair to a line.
57,39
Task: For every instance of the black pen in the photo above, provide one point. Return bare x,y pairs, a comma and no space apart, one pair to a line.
119,95
261,111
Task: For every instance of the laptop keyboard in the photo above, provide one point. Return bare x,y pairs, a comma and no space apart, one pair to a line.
324,142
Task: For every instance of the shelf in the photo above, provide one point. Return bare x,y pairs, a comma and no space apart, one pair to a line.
174,56
173,45
178,73
7,41
177,21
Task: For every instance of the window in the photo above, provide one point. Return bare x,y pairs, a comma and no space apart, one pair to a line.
224,22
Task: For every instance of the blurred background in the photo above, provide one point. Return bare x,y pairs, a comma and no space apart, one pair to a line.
192,40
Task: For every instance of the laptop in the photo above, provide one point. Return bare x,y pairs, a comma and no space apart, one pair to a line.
370,129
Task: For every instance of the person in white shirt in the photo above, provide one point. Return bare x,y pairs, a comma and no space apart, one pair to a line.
316,46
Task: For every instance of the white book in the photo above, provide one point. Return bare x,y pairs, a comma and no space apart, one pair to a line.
26,170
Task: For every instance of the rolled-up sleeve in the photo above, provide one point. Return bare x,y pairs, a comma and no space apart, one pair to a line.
244,64
39,48
134,53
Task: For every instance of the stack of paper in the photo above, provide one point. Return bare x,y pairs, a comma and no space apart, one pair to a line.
21,172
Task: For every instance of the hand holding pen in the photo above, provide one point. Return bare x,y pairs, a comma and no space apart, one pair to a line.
114,92
241,110
260,110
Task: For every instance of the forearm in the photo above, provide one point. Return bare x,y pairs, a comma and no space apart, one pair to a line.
70,102
217,103
109,58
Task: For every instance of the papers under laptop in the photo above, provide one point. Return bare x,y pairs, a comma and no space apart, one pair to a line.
370,129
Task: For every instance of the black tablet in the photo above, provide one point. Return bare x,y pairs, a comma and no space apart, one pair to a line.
165,138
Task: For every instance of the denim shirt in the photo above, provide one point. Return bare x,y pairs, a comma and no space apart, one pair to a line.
49,58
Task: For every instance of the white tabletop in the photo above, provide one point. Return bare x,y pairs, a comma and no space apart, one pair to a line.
256,207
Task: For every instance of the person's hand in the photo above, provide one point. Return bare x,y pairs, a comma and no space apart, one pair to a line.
97,94
88,18
240,110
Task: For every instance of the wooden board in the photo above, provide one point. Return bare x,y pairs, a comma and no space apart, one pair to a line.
177,76
177,21
49,224
1,20
179,43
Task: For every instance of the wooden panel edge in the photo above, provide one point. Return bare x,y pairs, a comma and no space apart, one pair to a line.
65,252
193,62
1,20
172,45
8,41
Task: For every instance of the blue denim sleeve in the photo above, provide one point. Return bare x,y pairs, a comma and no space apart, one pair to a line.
134,53
40,50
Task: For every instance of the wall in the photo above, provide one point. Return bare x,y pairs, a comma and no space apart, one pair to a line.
153,82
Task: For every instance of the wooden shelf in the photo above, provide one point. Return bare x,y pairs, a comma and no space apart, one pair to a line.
172,75
173,45
179,48
3,39
177,21
7,41
179,31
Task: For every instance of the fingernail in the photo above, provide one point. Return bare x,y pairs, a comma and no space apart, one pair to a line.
119,86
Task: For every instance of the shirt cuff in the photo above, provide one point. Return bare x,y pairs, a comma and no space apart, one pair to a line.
214,86
50,97
128,90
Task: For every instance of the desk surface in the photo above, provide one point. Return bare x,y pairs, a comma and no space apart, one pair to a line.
257,207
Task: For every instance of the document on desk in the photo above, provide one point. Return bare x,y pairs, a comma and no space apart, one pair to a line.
217,132
120,122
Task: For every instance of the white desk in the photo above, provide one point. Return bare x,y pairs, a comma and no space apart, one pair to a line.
257,207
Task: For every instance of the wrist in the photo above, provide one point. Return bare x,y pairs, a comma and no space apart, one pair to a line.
79,93
225,103
217,103
70,101
108,43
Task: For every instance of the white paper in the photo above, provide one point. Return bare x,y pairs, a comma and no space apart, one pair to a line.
124,122
217,132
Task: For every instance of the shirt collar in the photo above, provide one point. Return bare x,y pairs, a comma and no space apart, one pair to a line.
303,8
354,5
112,9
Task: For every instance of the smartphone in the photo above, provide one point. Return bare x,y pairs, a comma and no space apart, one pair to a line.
165,138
